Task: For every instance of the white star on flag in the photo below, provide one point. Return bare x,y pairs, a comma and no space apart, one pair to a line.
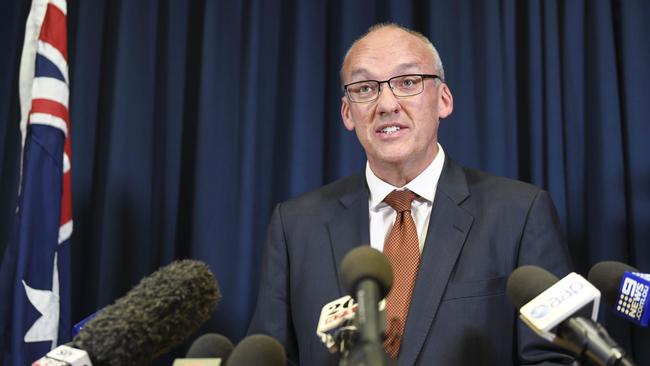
45,328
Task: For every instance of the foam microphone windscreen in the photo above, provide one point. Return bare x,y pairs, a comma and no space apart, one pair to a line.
607,277
526,283
210,345
156,315
363,263
258,350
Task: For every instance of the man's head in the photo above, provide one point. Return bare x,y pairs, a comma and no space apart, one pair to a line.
434,52
399,133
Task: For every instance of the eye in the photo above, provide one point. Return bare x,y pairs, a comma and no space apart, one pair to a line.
362,88
408,82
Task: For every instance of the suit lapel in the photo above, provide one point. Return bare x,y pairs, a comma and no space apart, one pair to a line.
448,227
349,227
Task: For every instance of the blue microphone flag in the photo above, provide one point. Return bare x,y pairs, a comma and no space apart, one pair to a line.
632,301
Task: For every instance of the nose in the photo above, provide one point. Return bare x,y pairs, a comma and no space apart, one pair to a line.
387,101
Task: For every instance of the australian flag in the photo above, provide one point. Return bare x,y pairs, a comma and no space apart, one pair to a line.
34,273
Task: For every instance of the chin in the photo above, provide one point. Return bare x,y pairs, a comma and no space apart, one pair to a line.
395,157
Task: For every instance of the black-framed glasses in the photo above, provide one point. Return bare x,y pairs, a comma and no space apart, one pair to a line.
402,86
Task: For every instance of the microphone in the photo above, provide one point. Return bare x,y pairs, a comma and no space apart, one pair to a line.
64,356
625,289
210,345
208,350
258,350
563,311
336,325
82,323
156,315
366,274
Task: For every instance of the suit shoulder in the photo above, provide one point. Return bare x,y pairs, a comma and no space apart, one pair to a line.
499,187
327,196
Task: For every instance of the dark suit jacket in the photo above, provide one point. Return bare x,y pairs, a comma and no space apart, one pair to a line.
481,228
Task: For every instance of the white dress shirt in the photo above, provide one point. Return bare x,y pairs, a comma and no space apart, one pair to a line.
382,216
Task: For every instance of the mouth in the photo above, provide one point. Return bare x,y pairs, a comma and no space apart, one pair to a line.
390,129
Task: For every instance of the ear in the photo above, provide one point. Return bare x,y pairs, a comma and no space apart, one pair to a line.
346,114
445,102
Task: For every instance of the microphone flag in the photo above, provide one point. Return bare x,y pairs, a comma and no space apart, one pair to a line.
34,273
632,302
573,294
334,315
337,317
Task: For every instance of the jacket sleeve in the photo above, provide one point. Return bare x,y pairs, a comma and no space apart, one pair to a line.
272,314
543,245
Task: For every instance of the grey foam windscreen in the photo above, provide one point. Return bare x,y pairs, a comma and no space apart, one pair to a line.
210,345
156,315
607,277
527,282
365,262
258,350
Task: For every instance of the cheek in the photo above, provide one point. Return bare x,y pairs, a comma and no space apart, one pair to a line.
363,114
427,115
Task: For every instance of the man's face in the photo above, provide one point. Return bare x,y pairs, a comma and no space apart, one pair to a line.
382,55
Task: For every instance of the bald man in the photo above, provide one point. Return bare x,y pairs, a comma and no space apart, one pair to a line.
473,229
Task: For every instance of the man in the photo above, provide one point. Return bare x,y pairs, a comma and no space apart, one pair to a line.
473,229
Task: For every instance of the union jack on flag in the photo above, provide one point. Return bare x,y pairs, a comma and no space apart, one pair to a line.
34,274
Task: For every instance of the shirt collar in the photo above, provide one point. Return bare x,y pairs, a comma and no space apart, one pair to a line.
424,185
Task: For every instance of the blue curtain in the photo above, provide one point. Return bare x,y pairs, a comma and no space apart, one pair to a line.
191,119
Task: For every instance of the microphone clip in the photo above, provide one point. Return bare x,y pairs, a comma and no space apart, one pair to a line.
571,295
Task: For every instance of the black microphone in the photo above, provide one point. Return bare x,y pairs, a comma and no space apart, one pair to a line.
156,315
624,289
208,350
210,345
557,310
258,350
367,276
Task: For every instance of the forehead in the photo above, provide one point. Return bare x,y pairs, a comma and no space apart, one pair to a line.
385,52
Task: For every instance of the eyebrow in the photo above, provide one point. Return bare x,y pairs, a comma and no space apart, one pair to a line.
405,67
359,72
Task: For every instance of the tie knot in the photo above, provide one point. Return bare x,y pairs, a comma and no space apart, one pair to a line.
400,201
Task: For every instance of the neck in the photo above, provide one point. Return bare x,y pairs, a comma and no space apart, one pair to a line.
399,174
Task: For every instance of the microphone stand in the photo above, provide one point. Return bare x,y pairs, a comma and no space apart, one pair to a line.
369,350
588,338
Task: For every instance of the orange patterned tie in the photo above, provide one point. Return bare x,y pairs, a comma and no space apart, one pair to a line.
403,250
